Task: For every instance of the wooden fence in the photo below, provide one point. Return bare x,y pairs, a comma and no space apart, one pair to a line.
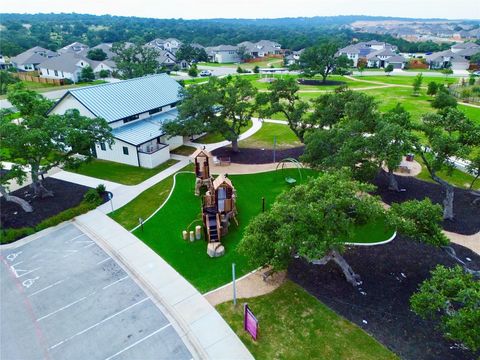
32,76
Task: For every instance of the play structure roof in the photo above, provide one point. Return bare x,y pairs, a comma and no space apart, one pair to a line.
200,152
222,178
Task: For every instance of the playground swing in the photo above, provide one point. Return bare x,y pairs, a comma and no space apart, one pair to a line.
288,179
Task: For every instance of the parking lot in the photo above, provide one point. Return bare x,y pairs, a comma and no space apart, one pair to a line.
63,297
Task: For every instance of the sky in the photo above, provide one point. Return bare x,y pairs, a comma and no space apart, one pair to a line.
202,9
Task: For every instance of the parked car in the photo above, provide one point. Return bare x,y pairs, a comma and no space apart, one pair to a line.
205,73
476,73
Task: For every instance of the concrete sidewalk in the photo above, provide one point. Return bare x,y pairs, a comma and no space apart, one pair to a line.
202,326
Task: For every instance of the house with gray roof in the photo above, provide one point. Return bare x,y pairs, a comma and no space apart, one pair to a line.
376,53
261,48
223,54
69,66
75,47
31,58
136,110
456,58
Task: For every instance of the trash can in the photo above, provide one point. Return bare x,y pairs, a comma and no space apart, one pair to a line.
409,157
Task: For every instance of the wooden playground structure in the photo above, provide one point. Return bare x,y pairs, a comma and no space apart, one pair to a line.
218,203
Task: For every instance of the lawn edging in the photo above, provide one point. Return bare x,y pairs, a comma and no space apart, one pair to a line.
166,200
374,244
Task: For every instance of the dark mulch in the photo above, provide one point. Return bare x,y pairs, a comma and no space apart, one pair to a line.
66,196
320,82
385,306
467,215
257,156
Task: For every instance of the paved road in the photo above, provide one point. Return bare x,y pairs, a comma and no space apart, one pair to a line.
63,297
460,73
218,70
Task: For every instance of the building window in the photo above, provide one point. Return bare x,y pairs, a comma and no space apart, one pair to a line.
102,146
154,111
48,72
130,118
56,72
125,150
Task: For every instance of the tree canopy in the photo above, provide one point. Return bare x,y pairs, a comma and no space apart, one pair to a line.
135,60
96,54
43,142
315,220
222,105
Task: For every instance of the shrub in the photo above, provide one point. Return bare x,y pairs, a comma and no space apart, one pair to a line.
91,196
432,88
101,189
443,100
256,69
193,72
239,70
104,73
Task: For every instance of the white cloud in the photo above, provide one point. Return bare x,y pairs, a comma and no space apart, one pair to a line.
195,9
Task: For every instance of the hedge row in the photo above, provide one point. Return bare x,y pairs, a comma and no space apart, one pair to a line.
10,235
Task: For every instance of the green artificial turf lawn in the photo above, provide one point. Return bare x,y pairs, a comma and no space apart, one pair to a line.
217,137
163,232
295,325
120,173
263,139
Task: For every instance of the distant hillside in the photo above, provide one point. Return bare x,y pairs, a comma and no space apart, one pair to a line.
22,31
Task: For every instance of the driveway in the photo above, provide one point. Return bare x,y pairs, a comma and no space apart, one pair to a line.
63,297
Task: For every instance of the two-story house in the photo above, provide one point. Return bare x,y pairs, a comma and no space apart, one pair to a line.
135,109
31,58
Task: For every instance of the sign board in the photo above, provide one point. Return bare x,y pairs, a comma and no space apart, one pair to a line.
250,322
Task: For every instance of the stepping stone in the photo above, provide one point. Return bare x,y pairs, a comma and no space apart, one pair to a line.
215,249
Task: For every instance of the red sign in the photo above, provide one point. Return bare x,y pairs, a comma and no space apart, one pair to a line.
250,322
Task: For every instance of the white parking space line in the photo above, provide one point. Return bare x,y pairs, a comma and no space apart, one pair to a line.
62,308
115,282
101,262
74,238
46,288
26,272
97,324
138,342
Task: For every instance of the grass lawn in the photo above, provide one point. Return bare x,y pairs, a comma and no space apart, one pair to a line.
295,325
457,177
217,137
262,64
163,232
407,80
119,173
195,80
263,139
184,150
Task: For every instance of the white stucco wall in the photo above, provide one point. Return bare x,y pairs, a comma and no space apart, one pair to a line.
50,74
174,142
226,57
153,160
116,153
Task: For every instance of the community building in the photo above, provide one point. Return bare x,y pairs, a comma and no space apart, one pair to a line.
136,110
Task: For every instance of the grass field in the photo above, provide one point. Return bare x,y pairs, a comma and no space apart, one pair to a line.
263,139
119,173
184,150
215,137
407,80
163,232
295,325
262,64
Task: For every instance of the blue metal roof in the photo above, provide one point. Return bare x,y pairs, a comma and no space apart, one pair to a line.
122,99
144,130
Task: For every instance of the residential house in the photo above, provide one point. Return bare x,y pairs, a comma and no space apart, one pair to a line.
69,66
293,57
223,53
166,58
170,44
457,57
30,59
4,64
261,48
376,53
105,47
135,109
75,47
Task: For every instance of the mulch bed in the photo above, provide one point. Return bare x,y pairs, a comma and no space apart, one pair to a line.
467,215
257,156
66,196
385,305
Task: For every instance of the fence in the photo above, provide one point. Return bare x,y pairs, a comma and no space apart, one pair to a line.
31,77
465,93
